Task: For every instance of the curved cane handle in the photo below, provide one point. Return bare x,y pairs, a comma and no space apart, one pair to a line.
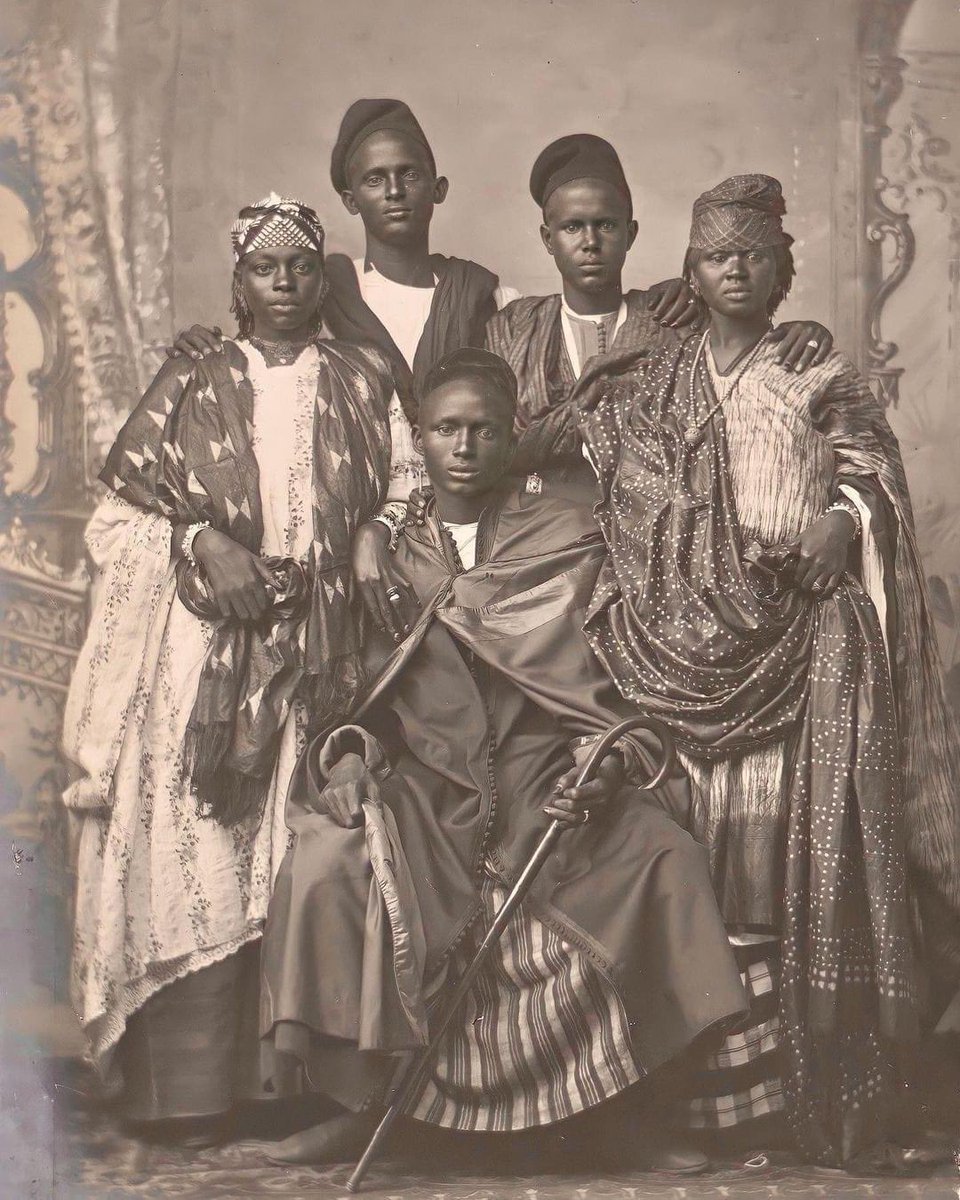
615,733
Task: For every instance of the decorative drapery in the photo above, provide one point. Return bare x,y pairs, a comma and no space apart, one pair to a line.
85,298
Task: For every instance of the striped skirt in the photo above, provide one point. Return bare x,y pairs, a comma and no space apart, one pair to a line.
543,1034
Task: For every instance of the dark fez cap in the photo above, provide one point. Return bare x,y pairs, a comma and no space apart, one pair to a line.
363,118
576,156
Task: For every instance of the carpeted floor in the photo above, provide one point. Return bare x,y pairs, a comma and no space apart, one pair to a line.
93,1159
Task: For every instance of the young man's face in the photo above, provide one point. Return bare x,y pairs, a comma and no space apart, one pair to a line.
588,230
393,188
465,433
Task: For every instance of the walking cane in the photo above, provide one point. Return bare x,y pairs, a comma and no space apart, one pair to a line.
418,1069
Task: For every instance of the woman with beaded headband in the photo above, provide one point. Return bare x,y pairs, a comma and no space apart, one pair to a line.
763,596
223,615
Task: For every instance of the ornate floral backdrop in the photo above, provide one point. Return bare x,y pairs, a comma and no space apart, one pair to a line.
85,283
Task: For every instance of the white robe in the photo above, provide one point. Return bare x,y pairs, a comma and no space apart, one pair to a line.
162,892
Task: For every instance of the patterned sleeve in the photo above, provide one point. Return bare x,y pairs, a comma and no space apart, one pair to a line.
498,334
848,415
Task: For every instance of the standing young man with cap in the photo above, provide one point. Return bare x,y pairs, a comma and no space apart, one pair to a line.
551,342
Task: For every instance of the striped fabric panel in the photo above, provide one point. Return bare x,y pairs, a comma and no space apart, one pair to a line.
740,1081
543,1034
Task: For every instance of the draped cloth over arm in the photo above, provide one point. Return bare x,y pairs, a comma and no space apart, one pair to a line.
464,300
130,548
185,453
695,628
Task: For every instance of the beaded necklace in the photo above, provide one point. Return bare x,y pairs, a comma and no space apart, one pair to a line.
694,431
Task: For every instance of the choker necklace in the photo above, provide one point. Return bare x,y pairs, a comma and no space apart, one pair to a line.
280,353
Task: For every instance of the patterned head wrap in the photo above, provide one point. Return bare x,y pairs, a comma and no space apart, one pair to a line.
576,156
742,213
276,221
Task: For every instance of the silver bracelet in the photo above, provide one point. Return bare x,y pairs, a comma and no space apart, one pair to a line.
393,525
186,543
848,507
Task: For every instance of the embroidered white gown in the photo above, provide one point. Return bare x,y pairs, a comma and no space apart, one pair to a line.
162,892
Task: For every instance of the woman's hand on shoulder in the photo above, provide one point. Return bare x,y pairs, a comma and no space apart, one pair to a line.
196,342
240,581
801,344
386,597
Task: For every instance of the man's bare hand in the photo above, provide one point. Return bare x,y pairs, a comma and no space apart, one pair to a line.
569,802
196,342
803,344
349,783
673,303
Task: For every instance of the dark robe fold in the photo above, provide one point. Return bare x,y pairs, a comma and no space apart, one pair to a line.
463,302
481,708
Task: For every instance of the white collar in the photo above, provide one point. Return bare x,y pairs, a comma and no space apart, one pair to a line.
363,271
567,316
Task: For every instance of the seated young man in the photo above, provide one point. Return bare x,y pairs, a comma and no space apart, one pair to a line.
411,825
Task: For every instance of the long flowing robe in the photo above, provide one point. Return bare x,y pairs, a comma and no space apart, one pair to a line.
483,704
811,784
162,892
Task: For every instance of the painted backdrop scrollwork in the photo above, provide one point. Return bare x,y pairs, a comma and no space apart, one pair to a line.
85,311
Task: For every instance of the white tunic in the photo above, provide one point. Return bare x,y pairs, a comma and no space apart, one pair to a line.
403,312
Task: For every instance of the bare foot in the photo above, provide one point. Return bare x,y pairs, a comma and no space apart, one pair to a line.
341,1139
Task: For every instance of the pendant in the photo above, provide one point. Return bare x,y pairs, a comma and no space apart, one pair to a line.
692,438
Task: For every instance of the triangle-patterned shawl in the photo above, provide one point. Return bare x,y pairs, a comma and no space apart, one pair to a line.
185,452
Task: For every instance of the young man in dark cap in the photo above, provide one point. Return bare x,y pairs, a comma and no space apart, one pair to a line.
592,327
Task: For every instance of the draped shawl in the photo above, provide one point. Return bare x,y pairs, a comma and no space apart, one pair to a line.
463,301
185,453
695,627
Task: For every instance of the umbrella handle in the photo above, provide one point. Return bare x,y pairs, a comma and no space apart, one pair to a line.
615,733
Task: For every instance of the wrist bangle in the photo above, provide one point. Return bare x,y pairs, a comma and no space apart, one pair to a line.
850,509
186,543
393,525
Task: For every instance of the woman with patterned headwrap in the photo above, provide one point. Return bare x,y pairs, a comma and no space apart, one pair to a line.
222,615
764,597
